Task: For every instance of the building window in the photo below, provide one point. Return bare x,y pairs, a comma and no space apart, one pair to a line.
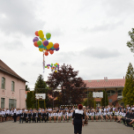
3,83
2,102
110,92
12,103
12,86
119,92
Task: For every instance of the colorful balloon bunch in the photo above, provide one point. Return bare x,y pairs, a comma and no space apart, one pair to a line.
54,67
43,44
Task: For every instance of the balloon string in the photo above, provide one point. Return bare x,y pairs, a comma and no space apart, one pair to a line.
43,63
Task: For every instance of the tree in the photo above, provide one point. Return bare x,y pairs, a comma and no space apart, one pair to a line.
41,87
104,100
130,43
89,101
30,101
27,88
72,87
128,91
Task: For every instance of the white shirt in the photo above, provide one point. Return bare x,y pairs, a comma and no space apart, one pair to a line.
7,111
59,114
54,114
14,111
110,113
20,111
104,113
116,113
92,114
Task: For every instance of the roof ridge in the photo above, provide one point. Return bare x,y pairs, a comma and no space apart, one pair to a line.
4,67
104,79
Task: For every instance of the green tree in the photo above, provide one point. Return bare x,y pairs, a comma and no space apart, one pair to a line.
29,100
41,87
89,101
128,91
104,100
130,43
27,88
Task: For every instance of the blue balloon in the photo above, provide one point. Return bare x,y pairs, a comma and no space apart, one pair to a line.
45,48
41,46
48,38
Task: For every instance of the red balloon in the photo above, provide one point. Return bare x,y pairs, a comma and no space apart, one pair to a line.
46,53
51,51
56,45
36,33
35,44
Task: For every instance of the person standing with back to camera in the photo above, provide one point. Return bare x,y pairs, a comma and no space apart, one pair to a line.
78,119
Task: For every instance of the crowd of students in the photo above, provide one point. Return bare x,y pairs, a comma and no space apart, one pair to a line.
108,113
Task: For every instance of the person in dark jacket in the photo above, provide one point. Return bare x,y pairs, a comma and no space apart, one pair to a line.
22,117
131,120
78,119
126,117
34,116
129,117
29,116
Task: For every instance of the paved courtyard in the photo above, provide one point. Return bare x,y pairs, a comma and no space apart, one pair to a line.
63,128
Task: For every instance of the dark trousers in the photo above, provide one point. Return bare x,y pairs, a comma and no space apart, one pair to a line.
123,119
34,119
128,121
44,119
14,117
22,119
77,126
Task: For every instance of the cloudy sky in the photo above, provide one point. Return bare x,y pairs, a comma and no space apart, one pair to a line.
92,36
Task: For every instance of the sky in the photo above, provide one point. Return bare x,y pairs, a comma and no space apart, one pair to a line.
92,36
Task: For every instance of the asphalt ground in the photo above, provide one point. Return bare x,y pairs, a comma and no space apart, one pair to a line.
63,128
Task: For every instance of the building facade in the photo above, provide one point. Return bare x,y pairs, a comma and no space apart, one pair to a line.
113,87
12,88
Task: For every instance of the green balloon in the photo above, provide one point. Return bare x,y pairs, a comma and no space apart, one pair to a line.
48,36
39,42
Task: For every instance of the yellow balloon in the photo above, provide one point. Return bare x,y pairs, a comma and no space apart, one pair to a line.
40,32
43,39
41,49
49,45
41,36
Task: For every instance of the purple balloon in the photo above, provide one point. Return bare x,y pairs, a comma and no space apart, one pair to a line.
57,49
48,64
35,39
45,43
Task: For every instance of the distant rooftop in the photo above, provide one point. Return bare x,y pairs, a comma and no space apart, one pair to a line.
4,68
105,83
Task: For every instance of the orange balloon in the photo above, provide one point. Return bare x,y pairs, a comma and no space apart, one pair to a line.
56,45
51,51
46,53
36,33
35,44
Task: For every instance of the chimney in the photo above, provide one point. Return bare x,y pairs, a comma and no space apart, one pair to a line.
105,78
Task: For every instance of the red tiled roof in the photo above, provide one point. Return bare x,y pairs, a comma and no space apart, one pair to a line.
105,83
4,68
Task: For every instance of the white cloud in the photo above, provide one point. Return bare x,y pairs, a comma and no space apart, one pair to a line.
92,36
